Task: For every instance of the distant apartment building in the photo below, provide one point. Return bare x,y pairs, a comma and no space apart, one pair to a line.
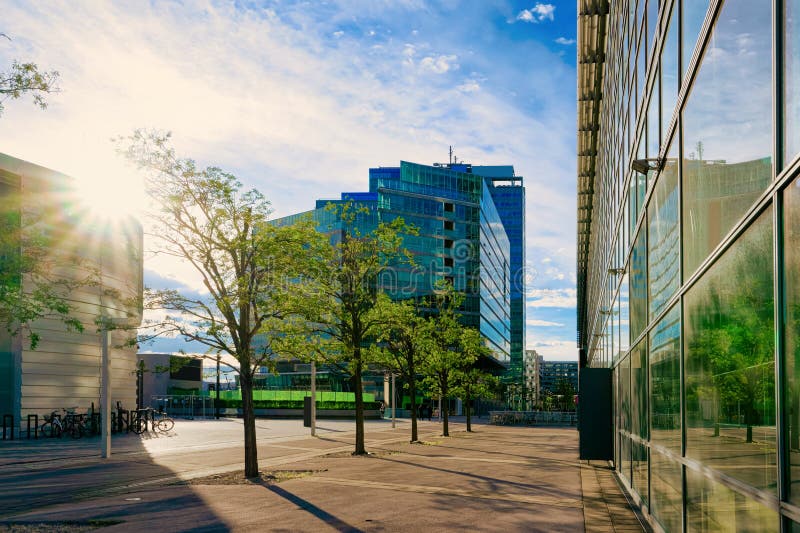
553,372
532,371
63,370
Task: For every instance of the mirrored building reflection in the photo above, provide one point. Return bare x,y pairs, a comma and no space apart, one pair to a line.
688,262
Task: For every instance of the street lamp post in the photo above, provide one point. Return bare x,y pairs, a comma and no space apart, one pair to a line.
216,392
394,393
313,398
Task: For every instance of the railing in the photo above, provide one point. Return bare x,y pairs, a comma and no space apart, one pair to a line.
533,418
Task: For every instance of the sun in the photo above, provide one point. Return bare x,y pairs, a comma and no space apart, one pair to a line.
110,195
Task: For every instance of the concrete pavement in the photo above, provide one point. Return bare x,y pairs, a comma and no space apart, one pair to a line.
497,478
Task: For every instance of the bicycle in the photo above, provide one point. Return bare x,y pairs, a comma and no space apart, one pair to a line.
73,424
145,417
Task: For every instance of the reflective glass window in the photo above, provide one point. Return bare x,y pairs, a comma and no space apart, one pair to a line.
639,467
665,381
712,507
670,82
666,491
791,250
727,128
639,418
638,285
624,416
652,22
791,82
624,316
663,257
729,361
653,129
693,15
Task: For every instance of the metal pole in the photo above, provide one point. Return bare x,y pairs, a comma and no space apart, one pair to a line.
216,391
105,394
313,399
440,408
394,393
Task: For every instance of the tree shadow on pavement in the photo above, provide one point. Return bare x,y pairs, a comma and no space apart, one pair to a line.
322,514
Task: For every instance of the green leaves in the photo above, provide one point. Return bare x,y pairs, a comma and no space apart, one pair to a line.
26,78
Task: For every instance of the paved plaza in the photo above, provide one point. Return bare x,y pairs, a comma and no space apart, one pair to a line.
497,478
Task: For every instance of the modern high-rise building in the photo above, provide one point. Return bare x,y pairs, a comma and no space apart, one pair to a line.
508,192
462,239
688,263
97,265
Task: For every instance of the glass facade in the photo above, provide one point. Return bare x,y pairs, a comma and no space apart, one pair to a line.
461,239
688,261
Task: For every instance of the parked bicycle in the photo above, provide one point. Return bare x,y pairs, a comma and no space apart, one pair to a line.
76,425
157,421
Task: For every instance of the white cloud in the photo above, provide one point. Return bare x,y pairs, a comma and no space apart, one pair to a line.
547,260
338,34
555,350
542,323
565,41
552,298
469,86
537,13
439,64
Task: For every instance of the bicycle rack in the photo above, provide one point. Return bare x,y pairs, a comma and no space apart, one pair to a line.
8,420
35,418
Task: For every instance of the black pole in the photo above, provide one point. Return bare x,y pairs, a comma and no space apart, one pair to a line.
216,391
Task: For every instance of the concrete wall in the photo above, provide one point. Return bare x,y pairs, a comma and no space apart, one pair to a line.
64,369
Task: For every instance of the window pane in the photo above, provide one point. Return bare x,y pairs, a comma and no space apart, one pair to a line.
652,20
791,82
665,381
791,250
666,491
670,83
727,127
623,420
713,507
624,316
639,425
663,259
730,369
653,128
694,13
638,291
639,467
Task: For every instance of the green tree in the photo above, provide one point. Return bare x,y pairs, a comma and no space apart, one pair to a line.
341,291
26,78
474,383
401,345
447,352
565,393
204,218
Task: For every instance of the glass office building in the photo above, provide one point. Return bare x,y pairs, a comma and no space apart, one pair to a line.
688,262
461,239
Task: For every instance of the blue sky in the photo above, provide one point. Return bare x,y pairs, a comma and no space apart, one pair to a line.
299,99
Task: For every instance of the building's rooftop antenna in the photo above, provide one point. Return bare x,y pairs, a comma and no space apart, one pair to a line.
451,154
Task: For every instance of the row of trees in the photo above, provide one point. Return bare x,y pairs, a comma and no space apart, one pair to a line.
289,290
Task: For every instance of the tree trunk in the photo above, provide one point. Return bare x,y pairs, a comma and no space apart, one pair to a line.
412,389
359,388
469,415
445,418
249,419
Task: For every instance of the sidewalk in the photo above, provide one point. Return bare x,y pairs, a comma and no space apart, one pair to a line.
495,479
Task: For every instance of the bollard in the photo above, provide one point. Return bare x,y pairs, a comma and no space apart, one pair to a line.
8,420
35,418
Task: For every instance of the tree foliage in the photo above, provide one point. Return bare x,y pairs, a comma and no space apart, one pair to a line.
401,347
26,79
340,292
450,348
203,218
